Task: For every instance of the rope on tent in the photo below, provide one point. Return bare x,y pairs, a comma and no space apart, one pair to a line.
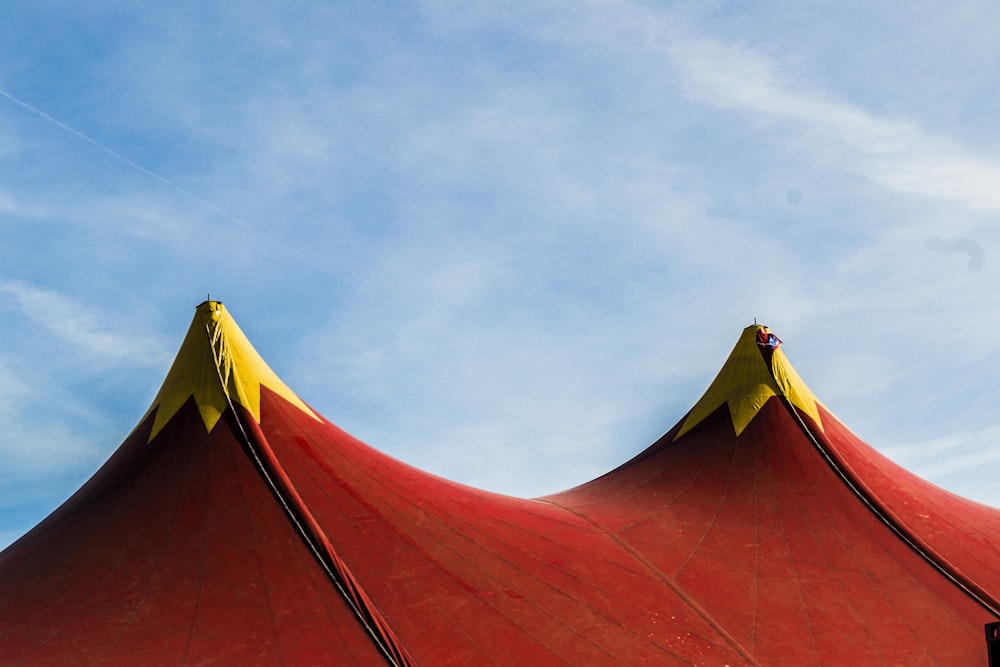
336,570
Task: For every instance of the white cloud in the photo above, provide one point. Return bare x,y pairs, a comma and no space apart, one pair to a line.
523,233
7,204
41,443
893,152
86,328
955,460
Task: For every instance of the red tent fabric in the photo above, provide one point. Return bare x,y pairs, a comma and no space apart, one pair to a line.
237,526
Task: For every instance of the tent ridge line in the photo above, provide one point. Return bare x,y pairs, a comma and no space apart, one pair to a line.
308,527
354,595
883,514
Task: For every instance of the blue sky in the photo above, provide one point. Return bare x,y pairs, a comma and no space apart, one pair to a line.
509,243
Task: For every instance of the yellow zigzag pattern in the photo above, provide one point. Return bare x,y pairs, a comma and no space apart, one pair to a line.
216,364
745,384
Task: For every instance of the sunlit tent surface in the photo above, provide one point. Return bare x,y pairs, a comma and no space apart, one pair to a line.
237,526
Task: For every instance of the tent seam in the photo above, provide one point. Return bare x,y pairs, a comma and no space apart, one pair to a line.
394,654
661,576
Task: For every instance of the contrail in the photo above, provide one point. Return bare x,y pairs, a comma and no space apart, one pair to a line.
152,174
118,156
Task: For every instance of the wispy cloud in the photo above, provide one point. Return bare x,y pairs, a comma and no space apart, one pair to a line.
494,237
894,152
7,204
950,457
47,452
89,329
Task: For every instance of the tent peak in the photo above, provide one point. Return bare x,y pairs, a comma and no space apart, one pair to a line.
756,370
218,366
208,303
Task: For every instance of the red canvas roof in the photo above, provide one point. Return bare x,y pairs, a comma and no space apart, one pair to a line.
237,526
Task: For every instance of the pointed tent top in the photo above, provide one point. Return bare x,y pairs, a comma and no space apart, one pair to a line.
746,382
216,364
314,506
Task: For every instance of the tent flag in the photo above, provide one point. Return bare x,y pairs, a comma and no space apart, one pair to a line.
767,340
235,525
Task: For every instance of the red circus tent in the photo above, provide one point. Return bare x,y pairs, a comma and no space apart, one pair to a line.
237,526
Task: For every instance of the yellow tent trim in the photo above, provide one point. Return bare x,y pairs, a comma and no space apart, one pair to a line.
745,384
217,364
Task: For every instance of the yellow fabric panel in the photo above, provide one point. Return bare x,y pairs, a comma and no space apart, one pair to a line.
745,384
216,360
797,392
